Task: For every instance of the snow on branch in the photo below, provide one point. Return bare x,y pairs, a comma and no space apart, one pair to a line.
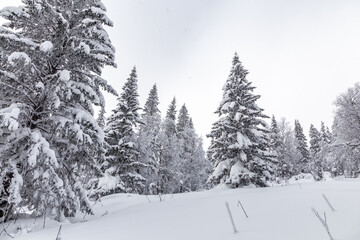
10,116
12,38
19,55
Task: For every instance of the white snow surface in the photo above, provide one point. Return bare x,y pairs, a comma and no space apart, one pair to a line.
275,213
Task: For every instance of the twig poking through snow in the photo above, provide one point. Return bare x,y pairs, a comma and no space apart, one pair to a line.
44,222
323,222
239,203
105,213
148,198
328,202
58,237
231,218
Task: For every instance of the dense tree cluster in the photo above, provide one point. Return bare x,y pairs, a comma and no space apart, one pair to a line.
52,149
147,155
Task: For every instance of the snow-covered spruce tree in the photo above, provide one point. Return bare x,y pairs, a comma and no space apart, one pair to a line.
325,133
275,137
54,52
240,142
183,120
169,156
325,155
315,148
277,147
303,158
315,139
122,165
193,165
148,140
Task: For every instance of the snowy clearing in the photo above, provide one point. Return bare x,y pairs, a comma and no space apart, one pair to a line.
282,212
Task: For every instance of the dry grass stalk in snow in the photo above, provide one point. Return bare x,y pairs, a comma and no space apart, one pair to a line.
323,222
239,203
328,202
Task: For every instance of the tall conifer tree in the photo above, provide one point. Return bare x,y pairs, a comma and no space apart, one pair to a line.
149,140
193,165
315,148
122,156
170,153
302,164
240,142
53,55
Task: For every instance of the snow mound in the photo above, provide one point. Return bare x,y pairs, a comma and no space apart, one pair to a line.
64,75
46,46
302,178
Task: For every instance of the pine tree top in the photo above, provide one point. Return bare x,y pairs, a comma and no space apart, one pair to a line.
274,125
183,119
301,138
152,102
128,105
130,94
171,112
191,124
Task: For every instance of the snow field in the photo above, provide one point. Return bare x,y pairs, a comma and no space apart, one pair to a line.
275,213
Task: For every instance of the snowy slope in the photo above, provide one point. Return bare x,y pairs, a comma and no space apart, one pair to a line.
279,213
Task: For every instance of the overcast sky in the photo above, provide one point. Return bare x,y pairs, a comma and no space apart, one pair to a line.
300,54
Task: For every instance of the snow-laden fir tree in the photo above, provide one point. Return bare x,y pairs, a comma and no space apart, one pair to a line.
326,147
275,137
122,165
169,157
315,148
183,120
240,142
315,139
277,147
193,165
303,158
149,142
53,55
170,118
325,133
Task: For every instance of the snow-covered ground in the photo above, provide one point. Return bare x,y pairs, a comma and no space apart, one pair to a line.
279,213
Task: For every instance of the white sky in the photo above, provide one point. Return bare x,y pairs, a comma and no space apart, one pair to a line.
300,54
